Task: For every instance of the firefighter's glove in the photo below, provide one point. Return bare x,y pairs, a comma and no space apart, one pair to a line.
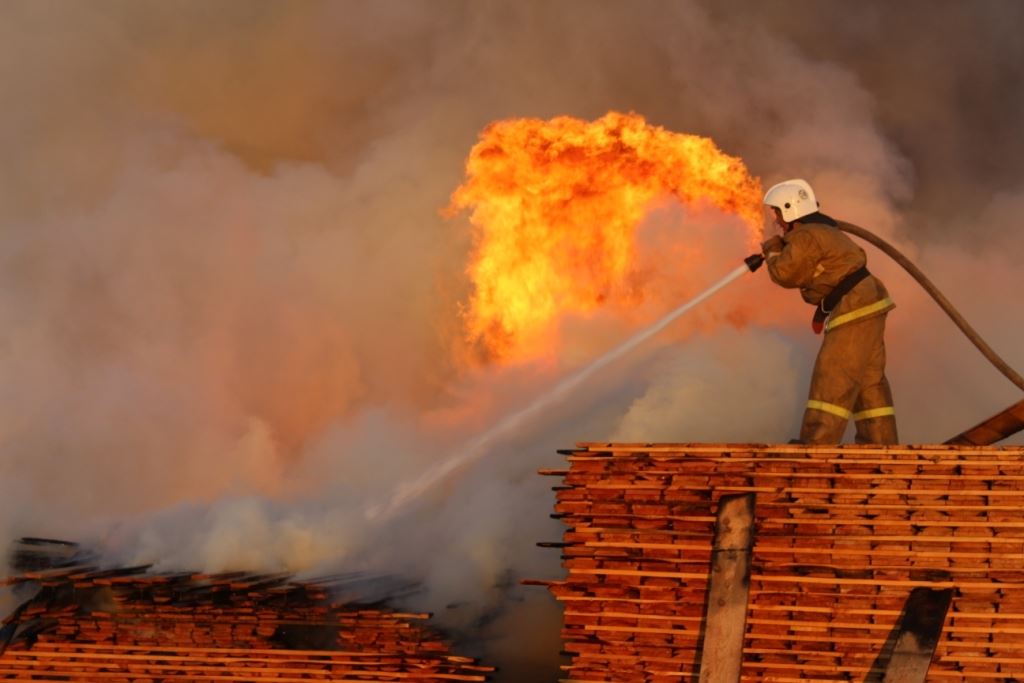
772,245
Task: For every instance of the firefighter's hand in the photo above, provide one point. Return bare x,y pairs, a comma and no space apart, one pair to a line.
773,244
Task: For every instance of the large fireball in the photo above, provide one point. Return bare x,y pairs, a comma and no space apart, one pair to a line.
555,206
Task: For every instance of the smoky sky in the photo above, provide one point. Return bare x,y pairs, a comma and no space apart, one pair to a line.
229,301
947,83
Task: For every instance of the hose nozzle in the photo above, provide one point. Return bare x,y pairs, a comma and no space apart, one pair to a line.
754,261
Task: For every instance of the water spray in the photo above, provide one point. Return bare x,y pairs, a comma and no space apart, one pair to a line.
411,490
472,451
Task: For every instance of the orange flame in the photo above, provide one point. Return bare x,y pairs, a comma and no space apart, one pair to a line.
555,206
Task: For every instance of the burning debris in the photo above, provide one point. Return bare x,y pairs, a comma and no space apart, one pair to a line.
84,623
846,541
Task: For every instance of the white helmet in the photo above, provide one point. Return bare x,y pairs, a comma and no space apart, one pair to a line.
794,198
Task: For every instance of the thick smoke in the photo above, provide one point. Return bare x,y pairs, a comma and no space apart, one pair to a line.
229,305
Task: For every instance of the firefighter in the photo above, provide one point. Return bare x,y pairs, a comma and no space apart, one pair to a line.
850,304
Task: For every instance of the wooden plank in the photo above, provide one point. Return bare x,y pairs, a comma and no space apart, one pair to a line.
71,668
198,649
854,521
721,656
151,668
874,491
996,428
870,509
919,631
91,676
325,658
915,538
605,449
768,549
818,580
854,476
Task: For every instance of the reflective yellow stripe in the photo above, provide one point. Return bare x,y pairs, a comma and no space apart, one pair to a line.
829,408
874,412
858,313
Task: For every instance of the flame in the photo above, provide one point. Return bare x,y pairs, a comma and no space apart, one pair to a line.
555,206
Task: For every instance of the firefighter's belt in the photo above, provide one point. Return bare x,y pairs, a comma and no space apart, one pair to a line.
832,299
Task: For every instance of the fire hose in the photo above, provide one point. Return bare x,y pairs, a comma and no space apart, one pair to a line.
754,261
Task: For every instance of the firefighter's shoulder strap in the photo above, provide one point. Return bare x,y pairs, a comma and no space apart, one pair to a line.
829,303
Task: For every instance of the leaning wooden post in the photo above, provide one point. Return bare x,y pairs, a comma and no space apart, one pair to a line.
725,623
919,632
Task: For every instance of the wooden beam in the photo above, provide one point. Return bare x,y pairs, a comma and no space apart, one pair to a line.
620,450
919,631
996,428
721,656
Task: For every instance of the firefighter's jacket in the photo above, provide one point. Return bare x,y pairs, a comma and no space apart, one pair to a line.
849,374
815,258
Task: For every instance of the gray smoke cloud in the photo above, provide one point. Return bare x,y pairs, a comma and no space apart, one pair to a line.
229,305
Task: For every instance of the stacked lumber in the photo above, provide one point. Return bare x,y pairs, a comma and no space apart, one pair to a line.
126,624
842,536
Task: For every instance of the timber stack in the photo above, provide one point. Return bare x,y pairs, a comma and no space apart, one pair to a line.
83,623
850,549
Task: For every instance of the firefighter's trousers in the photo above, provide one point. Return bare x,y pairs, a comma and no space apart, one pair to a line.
849,381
